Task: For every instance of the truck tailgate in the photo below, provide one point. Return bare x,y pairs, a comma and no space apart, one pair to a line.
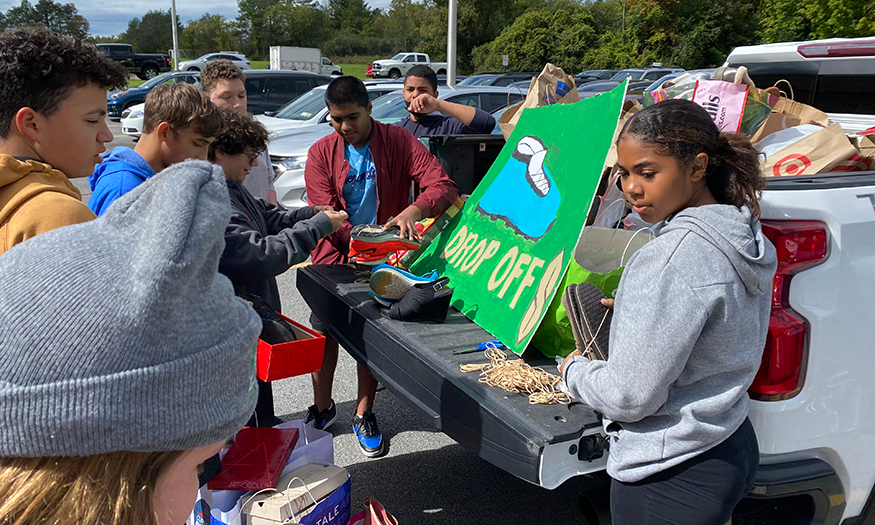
543,444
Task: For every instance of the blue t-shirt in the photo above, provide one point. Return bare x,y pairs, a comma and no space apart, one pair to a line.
360,187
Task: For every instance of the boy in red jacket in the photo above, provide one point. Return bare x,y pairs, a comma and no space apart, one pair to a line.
366,169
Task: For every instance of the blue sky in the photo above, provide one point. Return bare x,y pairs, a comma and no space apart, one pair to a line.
110,17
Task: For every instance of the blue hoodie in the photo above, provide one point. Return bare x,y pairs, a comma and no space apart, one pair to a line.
122,170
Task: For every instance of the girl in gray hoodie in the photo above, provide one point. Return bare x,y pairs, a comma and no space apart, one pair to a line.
689,324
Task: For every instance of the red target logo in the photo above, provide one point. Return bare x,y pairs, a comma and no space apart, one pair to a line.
793,164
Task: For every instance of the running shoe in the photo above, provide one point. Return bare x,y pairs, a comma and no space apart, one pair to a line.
380,300
321,419
373,239
368,434
391,283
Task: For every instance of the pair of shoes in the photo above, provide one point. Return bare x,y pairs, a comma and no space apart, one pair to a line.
428,302
370,244
321,419
389,284
590,319
368,434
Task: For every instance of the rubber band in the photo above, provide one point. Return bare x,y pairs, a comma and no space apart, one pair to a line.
518,377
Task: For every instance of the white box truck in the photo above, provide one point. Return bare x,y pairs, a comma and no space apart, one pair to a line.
302,59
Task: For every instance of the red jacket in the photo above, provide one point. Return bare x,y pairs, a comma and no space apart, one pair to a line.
399,158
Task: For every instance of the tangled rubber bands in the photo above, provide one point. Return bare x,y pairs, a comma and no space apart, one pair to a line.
517,376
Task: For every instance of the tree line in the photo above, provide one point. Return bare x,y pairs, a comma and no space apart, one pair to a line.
574,34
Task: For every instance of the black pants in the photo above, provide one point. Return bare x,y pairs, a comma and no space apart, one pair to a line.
703,490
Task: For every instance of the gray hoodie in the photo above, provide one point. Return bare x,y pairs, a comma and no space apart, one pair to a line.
687,337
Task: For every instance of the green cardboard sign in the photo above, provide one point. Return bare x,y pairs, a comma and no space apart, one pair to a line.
506,252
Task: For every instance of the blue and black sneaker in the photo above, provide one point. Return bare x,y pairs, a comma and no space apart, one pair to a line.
369,436
321,419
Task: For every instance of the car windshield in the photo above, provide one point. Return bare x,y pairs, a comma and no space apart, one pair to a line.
389,108
622,75
399,56
155,81
473,80
482,81
303,107
598,86
204,56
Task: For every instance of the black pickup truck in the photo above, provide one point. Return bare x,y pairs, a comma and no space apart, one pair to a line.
144,65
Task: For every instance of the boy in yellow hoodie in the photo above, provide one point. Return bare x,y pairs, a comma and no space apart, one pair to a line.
52,126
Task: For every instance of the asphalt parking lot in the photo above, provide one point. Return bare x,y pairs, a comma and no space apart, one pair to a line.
426,477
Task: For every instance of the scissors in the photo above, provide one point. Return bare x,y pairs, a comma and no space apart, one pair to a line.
494,343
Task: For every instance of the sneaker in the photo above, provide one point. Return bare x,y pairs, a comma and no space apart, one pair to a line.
390,283
372,238
382,301
321,420
369,436
423,302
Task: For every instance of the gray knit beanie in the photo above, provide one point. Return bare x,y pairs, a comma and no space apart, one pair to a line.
120,334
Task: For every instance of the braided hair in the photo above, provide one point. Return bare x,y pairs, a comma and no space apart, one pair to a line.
682,129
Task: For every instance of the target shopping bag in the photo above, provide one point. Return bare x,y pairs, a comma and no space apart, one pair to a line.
817,152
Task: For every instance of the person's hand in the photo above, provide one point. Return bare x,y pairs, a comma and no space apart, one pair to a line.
317,209
567,359
424,103
337,218
608,302
406,220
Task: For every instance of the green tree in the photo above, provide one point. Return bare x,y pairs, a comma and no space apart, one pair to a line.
788,20
253,22
296,25
60,18
402,24
351,16
207,33
560,34
151,34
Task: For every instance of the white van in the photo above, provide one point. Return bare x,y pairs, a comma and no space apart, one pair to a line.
836,75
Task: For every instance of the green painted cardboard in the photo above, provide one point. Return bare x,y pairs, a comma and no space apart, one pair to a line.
506,252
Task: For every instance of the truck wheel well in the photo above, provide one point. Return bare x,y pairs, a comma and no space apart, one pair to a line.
441,72
394,73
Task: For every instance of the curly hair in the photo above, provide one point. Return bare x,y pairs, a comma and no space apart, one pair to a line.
39,70
241,132
217,70
682,129
181,105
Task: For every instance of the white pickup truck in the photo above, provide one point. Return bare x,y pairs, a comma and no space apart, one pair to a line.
397,66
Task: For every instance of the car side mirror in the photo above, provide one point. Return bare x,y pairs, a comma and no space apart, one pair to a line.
269,113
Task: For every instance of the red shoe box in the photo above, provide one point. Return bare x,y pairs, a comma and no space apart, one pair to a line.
293,358
256,459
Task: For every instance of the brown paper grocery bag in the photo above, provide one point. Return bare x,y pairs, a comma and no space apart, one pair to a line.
551,86
806,113
816,153
866,144
775,122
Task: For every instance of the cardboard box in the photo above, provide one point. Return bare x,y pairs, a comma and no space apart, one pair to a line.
293,358
320,481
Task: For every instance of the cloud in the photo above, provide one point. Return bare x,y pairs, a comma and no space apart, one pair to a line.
108,17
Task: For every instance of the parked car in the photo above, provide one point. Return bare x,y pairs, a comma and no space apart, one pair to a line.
309,108
597,74
144,65
636,86
266,90
497,79
647,73
120,100
397,66
288,149
199,63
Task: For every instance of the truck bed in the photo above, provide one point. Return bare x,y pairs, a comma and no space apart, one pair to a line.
543,444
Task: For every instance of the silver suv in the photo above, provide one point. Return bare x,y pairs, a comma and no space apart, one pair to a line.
199,63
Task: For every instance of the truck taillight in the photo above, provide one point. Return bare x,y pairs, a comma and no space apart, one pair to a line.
800,245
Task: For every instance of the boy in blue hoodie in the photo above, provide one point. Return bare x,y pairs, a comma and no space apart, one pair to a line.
180,122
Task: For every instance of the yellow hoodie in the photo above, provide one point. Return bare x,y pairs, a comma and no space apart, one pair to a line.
35,198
